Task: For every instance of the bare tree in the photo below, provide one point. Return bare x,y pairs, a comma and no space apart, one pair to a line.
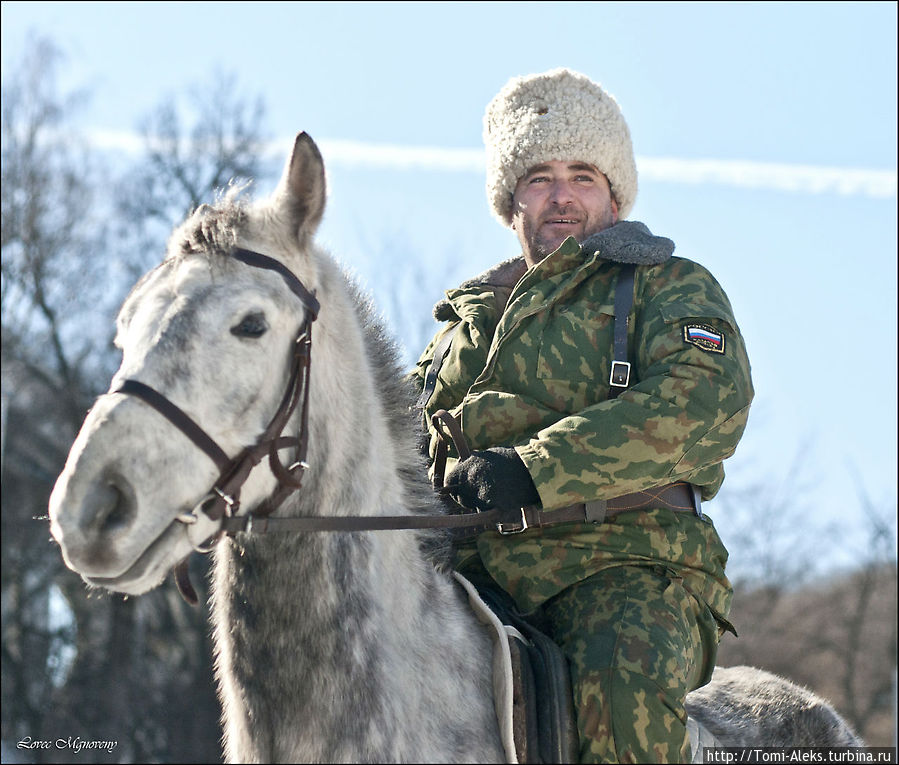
48,236
194,146
833,632
52,240
77,663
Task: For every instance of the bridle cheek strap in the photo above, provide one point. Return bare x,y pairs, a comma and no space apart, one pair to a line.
297,388
223,500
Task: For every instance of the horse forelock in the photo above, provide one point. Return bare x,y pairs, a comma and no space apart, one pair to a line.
211,230
236,220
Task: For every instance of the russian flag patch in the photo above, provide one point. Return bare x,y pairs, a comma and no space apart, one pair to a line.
704,337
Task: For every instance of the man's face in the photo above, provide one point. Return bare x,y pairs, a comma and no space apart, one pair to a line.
555,200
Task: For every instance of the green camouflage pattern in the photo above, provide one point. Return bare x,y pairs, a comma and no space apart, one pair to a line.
529,368
636,642
537,565
536,378
637,639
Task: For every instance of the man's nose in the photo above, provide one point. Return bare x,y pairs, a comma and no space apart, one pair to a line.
561,193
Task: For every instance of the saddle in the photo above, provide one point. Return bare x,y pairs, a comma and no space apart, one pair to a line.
532,685
544,722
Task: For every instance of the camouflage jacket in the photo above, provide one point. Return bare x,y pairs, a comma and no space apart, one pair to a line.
530,361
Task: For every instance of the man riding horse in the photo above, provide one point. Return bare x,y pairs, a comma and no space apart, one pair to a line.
600,383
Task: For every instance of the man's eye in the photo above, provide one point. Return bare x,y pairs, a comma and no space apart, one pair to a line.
252,325
539,179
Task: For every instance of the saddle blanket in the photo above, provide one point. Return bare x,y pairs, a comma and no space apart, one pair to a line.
502,663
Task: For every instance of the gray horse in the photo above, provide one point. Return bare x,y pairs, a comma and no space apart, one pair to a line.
330,647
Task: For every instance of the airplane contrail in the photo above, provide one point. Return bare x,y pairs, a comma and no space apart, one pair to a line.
796,178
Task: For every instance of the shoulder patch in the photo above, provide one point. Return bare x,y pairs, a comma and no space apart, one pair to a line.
704,337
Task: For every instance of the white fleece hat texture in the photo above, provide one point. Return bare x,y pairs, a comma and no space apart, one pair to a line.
561,115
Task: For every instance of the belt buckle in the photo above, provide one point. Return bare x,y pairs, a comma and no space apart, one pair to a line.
516,527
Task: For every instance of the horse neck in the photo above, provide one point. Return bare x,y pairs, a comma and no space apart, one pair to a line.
333,646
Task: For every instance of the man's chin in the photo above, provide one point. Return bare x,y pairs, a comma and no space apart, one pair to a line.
547,246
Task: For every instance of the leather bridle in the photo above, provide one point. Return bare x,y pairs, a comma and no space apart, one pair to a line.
222,502
223,499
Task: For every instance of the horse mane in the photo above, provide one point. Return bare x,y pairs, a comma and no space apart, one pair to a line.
397,397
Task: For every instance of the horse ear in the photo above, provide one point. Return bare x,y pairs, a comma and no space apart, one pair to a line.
302,187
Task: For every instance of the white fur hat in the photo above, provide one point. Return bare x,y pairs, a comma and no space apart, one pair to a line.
560,115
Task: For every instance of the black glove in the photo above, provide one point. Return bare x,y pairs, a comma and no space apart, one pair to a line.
492,478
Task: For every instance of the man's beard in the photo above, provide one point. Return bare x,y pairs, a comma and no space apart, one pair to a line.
541,248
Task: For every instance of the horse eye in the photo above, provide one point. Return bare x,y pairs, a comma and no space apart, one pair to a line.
252,325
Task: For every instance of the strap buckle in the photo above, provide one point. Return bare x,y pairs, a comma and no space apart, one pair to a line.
620,377
697,500
200,536
515,527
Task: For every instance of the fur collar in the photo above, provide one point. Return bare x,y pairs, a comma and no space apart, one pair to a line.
629,242
504,274
625,242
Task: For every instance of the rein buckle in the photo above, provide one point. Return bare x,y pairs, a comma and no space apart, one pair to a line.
515,527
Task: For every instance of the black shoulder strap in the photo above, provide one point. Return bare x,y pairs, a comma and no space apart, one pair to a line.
620,377
440,352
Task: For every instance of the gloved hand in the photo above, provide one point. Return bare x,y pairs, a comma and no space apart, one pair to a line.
492,478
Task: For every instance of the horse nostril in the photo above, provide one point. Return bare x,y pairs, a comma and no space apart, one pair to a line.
113,506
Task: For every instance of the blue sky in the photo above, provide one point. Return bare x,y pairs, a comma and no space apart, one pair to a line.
766,143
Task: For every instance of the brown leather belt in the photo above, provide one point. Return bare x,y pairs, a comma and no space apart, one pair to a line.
680,497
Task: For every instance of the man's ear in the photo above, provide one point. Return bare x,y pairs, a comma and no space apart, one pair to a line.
614,211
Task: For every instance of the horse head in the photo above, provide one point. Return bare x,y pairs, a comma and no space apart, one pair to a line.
215,337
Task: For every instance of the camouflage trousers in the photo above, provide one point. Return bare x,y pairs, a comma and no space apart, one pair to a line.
637,642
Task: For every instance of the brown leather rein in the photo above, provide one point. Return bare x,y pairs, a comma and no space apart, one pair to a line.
222,502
